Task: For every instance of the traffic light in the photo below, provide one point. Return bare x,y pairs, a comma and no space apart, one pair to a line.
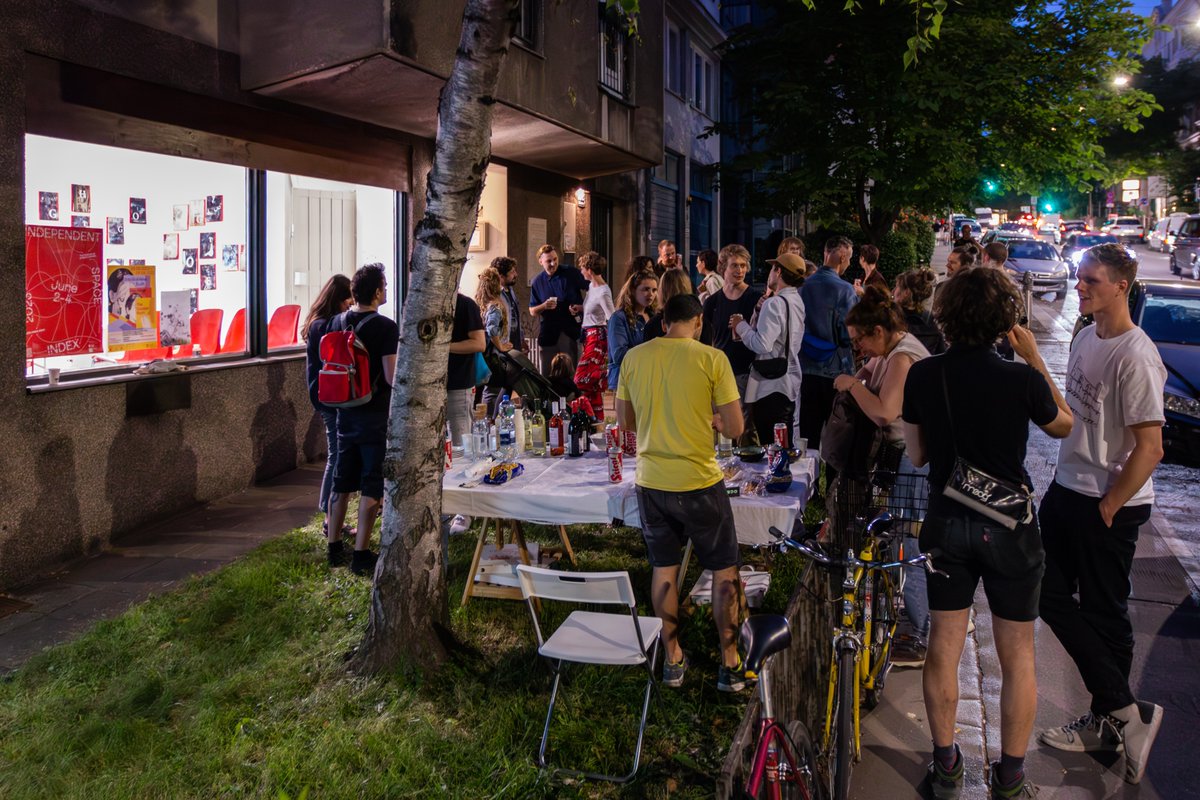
1048,206
990,186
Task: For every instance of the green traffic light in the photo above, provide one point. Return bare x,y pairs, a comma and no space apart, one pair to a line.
1048,207
989,185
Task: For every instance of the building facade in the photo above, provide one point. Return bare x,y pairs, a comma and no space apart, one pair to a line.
178,182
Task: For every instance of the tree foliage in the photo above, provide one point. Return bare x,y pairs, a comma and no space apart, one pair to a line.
830,118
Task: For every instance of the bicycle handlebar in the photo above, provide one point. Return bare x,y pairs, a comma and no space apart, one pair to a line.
787,543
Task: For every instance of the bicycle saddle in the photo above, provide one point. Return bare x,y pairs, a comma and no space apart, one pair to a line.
764,635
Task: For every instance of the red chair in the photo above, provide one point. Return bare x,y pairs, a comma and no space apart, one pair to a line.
206,330
235,337
282,329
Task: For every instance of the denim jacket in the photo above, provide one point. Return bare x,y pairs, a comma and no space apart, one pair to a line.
621,337
827,300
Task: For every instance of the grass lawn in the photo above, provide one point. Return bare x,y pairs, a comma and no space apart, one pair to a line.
234,686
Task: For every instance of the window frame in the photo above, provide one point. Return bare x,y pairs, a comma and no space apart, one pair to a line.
528,31
703,76
676,78
613,37
257,300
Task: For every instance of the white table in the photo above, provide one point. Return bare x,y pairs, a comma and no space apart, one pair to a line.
567,491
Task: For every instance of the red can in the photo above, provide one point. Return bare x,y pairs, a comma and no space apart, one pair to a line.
612,436
614,465
629,445
781,434
449,457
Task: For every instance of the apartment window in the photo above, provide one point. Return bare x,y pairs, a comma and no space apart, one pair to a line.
613,51
666,216
529,21
134,256
703,90
700,216
676,74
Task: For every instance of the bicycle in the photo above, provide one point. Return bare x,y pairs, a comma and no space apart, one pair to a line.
862,640
784,763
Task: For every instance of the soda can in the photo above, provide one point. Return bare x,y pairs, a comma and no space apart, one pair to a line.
449,457
614,465
612,435
774,454
781,434
629,444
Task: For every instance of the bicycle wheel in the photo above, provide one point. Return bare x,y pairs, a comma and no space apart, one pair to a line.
842,741
883,617
804,786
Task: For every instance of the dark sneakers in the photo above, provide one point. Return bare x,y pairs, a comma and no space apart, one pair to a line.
363,563
337,554
735,679
946,785
1019,789
672,674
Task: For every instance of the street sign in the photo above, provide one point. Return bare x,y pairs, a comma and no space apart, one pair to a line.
1025,209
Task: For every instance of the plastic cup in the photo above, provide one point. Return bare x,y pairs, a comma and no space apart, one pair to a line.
802,445
53,373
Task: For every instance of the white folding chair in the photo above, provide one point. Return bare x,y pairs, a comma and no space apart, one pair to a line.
591,637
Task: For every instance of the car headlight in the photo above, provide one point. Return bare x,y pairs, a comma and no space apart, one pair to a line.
1060,269
1181,405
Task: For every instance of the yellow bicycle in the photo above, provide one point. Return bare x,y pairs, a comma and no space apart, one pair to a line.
870,604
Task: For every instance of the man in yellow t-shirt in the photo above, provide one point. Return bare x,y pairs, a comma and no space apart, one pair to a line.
669,387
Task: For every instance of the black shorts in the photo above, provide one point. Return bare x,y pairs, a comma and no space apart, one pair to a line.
972,547
362,442
704,515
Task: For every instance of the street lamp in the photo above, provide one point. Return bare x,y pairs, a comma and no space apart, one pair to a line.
1121,81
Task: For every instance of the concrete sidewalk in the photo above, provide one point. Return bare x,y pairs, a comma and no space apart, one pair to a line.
64,603
1166,618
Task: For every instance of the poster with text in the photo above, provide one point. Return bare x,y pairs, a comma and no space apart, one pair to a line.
64,278
132,318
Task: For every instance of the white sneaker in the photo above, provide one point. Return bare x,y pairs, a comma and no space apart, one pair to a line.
459,524
1090,733
1139,725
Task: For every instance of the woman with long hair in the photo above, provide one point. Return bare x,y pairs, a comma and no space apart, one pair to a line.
636,303
494,311
878,331
333,299
638,264
912,293
591,374
672,282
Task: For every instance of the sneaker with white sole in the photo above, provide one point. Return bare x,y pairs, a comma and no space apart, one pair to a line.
946,784
1089,734
673,673
459,524
1022,788
1139,723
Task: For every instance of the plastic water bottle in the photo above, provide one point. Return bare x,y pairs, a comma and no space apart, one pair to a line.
506,429
522,426
479,435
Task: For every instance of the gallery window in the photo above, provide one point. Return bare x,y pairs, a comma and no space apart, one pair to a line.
130,256
133,257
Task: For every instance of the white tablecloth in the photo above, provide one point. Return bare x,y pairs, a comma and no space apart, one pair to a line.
565,491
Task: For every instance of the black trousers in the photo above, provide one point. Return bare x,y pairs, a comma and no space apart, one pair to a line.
816,402
767,411
1085,557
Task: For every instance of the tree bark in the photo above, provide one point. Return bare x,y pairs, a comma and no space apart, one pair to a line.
409,616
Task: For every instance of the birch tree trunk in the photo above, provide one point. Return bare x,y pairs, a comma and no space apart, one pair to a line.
408,601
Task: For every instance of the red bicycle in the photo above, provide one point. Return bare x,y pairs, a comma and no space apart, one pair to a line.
783,764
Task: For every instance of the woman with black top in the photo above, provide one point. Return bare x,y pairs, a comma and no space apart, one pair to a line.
912,293
672,282
968,404
333,299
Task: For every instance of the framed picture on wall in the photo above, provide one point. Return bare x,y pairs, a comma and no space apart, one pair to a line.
194,299
137,211
197,211
214,208
208,244
115,262
208,277
81,198
137,262
190,260
48,205
80,222
170,246
116,230
229,257
179,217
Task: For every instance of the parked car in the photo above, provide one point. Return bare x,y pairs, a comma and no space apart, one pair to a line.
957,223
1162,235
1077,243
1050,272
1067,227
1014,228
1185,253
1128,229
1048,229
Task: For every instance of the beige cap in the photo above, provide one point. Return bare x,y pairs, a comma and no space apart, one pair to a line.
792,263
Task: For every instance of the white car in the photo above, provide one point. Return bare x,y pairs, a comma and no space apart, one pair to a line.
1162,237
1127,229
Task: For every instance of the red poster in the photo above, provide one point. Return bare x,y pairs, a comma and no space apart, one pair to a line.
64,291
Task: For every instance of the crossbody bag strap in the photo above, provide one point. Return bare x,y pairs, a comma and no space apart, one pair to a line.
949,415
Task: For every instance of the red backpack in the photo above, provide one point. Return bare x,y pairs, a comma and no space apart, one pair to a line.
345,377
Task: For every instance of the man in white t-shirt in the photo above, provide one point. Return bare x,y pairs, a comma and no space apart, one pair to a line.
1102,494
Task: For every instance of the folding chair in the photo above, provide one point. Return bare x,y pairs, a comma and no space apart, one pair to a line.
591,637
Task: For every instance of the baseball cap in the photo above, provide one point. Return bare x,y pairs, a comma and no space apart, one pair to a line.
791,262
